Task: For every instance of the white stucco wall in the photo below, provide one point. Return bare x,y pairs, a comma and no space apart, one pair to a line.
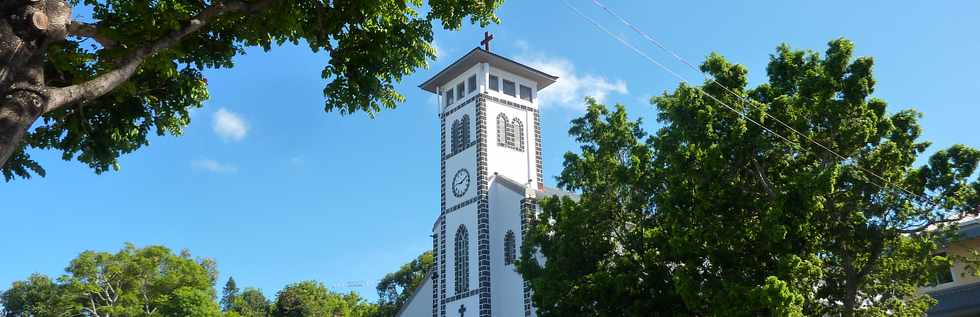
462,160
516,79
465,216
506,285
516,165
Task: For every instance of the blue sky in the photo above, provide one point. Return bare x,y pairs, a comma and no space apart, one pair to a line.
277,191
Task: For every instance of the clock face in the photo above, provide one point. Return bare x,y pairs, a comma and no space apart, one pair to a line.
461,182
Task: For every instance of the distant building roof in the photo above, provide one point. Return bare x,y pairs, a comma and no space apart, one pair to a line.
958,301
970,228
544,191
479,55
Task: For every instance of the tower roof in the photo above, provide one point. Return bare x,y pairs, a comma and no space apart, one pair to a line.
479,55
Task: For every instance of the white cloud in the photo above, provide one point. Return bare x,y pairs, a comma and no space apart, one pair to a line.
439,50
229,126
572,87
213,166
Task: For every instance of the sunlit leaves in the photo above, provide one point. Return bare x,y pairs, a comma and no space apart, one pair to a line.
370,44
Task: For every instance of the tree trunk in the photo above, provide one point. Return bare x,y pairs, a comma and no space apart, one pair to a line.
26,29
18,110
850,297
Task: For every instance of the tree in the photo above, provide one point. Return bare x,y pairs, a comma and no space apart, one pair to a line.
603,250
142,70
251,303
229,295
397,287
311,298
38,296
150,281
836,219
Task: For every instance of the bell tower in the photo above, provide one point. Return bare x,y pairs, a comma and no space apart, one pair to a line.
490,130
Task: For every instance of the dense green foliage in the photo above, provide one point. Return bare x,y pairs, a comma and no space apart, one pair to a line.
310,298
151,281
369,46
719,216
249,303
397,287
229,294
598,246
155,282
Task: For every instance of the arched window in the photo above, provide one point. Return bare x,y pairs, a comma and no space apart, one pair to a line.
464,137
501,128
454,137
510,248
462,263
510,134
460,134
518,128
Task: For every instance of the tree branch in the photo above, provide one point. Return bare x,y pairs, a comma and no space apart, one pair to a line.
81,29
931,224
103,84
761,173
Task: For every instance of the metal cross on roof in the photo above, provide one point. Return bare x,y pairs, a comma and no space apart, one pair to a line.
462,310
487,37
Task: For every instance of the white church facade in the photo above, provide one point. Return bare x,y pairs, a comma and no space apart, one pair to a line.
490,177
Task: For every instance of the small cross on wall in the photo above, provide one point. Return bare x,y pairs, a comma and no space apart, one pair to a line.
462,310
487,37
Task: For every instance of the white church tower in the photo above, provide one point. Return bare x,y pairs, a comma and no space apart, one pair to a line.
490,172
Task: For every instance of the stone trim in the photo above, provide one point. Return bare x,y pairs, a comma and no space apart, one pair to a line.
462,204
439,288
472,143
508,103
461,105
434,275
537,150
461,296
510,247
442,163
483,208
442,266
528,206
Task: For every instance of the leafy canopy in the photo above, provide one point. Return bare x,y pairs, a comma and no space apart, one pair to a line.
309,298
370,45
397,287
604,249
719,217
150,281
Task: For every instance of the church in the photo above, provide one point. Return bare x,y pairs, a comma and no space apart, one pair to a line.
490,179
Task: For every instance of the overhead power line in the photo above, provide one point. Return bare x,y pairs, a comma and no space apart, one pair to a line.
726,105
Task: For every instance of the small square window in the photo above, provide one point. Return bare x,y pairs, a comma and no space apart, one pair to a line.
449,97
472,83
461,90
494,83
526,93
509,88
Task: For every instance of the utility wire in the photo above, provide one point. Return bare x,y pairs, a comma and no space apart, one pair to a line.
665,68
752,102
711,79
